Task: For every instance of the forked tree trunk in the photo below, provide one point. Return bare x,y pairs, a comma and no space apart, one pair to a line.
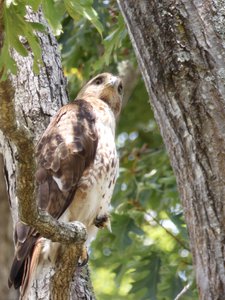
36,98
180,47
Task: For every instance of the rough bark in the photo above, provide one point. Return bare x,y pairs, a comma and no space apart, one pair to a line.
27,103
180,48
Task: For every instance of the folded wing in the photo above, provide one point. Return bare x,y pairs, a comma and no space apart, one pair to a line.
66,149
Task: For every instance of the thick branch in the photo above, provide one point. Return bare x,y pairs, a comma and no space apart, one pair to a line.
61,280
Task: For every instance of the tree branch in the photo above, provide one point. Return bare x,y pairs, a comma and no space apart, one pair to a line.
184,290
168,231
61,280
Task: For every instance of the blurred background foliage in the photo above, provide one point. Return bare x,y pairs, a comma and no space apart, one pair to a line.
146,256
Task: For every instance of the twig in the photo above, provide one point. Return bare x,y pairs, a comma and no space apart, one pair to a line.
167,231
185,289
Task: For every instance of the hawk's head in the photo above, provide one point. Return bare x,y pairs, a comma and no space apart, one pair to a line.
108,88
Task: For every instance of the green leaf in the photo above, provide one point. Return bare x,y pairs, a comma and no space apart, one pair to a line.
16,36
34,4
19,47
146,277
112,42
6,60
38,26
54,11
122,226
171,284
36,49
9,2
36,69
177,219
85,9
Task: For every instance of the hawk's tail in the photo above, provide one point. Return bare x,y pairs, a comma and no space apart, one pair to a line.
24,264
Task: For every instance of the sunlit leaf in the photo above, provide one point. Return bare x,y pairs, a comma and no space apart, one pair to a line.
38,26
112,42
147,277
54,11
122,226
85,9
35,4
17,36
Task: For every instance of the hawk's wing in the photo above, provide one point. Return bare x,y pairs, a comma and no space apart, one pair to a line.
66,149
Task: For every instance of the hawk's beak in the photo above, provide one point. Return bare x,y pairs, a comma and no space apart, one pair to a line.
108,226
113,81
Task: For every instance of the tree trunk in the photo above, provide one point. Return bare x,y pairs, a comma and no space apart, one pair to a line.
36,98
180,48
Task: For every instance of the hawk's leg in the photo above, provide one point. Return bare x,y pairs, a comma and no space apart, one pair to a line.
102,221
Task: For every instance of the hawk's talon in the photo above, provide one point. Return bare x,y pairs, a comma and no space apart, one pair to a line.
101,221
84,258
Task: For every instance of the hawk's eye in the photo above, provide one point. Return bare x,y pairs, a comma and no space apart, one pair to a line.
120,88
98,80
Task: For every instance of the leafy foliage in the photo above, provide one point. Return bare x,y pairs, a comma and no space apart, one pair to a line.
148,249
85,9
16,37
85,52
15,14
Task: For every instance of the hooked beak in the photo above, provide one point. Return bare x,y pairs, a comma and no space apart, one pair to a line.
113,81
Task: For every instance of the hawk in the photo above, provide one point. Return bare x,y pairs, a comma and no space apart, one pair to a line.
77,167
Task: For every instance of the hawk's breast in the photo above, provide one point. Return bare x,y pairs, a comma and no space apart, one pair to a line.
95,189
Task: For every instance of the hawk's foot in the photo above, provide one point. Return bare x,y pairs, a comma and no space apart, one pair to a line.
102,221
83,259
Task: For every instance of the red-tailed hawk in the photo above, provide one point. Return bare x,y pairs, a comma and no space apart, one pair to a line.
77,167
